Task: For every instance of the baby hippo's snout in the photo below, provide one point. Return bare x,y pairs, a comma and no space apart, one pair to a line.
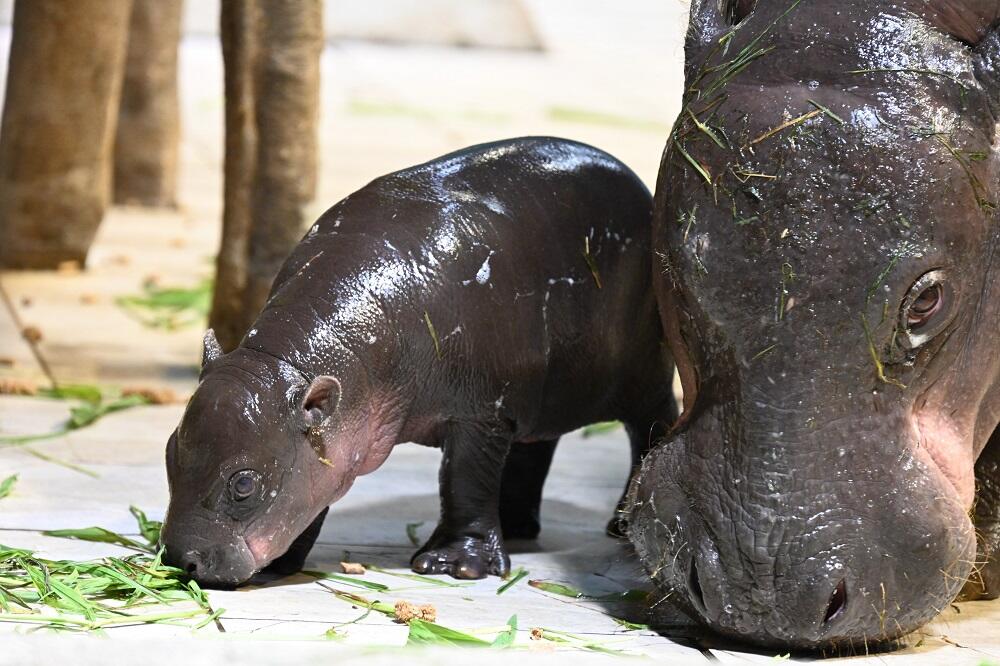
222,561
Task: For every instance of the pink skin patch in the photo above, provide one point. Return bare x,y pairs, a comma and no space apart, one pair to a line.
945,444
259,547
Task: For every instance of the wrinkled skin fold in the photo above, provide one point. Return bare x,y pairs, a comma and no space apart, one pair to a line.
828,270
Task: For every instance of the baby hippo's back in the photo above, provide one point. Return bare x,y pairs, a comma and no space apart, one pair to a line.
505,283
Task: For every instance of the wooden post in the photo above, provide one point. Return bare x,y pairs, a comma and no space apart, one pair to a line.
146,144
272,51
63,85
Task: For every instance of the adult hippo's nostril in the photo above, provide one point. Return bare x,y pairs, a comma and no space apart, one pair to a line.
695,593
837,606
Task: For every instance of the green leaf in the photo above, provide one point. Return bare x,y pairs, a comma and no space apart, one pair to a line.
149,529
99,535
430,633
170,307
7,485
505,639
415,576
557,588
85,392
600,428
348,580
630,626
411,532
512,579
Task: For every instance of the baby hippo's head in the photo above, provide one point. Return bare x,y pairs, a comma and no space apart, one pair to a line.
255,459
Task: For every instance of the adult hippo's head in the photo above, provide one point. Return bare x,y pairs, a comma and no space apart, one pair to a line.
829,253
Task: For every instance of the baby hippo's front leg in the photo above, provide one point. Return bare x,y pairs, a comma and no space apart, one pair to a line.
467,542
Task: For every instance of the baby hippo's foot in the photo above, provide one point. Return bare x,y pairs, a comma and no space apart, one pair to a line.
617,527
465,557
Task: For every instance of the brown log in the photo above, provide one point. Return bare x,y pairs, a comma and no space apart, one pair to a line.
146,143
56,136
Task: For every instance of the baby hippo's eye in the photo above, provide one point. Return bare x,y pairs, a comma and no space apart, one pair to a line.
927,308
243,484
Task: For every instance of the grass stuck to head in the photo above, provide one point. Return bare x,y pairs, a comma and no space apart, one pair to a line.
100,594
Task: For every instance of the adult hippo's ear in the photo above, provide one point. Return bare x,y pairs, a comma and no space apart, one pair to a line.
711,18
321,400
986,64
210,348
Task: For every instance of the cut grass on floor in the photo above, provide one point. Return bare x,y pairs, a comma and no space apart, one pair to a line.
100,594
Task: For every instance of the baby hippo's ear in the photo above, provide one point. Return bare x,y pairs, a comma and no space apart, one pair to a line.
210,348
321,400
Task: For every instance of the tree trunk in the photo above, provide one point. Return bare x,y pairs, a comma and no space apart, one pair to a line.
271,51
291,40
239,43
146,143
64,80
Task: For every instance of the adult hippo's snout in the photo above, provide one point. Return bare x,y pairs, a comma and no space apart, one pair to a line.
817,559
828,251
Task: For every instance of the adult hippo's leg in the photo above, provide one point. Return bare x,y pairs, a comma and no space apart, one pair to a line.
295,557
985,580
467,542
524,474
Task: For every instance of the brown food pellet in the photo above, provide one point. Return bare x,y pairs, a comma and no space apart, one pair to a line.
7,361
32,334
155,396
405,612
352,568
17,387
537,633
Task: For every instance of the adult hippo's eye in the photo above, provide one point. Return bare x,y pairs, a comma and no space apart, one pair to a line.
926,309
243,484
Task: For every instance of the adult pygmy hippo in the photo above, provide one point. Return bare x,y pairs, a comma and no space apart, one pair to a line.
827,218
485,302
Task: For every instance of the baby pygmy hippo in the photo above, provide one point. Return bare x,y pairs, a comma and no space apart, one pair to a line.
486,302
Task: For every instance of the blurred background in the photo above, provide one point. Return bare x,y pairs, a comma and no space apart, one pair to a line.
114,147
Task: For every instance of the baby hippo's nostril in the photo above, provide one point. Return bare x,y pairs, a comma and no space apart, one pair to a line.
838,603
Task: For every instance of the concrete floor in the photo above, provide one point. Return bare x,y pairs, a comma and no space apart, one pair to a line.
611,77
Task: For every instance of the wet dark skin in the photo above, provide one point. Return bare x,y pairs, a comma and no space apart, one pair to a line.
829,273
485,303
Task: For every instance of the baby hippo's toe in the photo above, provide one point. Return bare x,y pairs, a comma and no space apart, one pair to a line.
467,558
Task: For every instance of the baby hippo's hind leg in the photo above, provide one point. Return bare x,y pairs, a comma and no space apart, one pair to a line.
467,542
985,580
524,475
295,557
